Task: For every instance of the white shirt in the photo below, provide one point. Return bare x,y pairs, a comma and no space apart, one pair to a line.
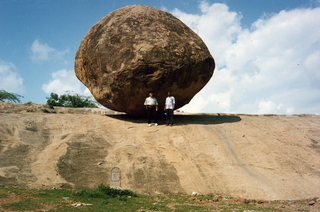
151,101
170,102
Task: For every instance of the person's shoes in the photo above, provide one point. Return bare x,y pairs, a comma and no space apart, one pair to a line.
167,124
171,125
149,125
155,124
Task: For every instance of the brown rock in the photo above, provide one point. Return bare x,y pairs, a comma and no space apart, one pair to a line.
138,49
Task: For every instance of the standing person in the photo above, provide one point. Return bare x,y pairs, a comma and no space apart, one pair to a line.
169,107
151,104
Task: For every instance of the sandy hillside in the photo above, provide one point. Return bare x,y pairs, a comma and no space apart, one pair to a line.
254,156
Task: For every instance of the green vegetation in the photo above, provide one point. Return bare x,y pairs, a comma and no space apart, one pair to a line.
70,100
105,192
9,97
105,198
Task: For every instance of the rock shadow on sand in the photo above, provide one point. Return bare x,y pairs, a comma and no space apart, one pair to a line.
183,119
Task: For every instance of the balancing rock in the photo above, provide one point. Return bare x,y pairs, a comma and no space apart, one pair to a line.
138,49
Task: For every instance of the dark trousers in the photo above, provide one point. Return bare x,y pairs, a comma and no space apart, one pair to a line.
152,113
169,116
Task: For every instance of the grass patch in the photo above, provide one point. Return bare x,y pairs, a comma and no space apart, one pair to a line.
105,198
24,205
183,208
4,195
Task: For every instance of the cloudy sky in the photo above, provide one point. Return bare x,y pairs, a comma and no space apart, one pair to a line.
267,52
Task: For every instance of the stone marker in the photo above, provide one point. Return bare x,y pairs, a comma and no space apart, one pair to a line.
115,180
138,49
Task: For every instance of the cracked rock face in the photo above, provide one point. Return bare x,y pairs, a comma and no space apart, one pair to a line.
138,49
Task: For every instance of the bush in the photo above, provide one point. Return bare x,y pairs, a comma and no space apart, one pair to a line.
114,192
106,192
9,97
70,100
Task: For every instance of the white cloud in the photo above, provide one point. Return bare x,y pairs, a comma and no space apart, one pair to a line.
42,52
9,79
197,105
273,67
63,81
267,107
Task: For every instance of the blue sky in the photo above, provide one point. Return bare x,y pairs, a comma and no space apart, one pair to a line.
267,51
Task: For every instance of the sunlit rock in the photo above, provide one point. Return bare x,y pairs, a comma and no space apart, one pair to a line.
138,49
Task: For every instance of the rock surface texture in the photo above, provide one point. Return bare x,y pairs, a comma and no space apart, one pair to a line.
138,49
248,156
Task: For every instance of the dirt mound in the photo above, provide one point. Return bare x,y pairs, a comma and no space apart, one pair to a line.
252,156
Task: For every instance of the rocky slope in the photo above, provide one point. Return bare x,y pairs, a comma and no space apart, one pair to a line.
253,156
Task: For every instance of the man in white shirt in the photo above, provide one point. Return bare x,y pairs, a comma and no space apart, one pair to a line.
169,107
151,104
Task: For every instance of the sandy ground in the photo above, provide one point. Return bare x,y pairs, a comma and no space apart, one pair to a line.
271,157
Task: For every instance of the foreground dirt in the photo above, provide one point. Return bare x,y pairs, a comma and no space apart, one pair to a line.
269,157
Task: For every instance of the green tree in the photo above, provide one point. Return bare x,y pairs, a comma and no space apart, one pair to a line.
9,97
70,100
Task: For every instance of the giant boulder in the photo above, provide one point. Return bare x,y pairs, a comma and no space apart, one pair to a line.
138,49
